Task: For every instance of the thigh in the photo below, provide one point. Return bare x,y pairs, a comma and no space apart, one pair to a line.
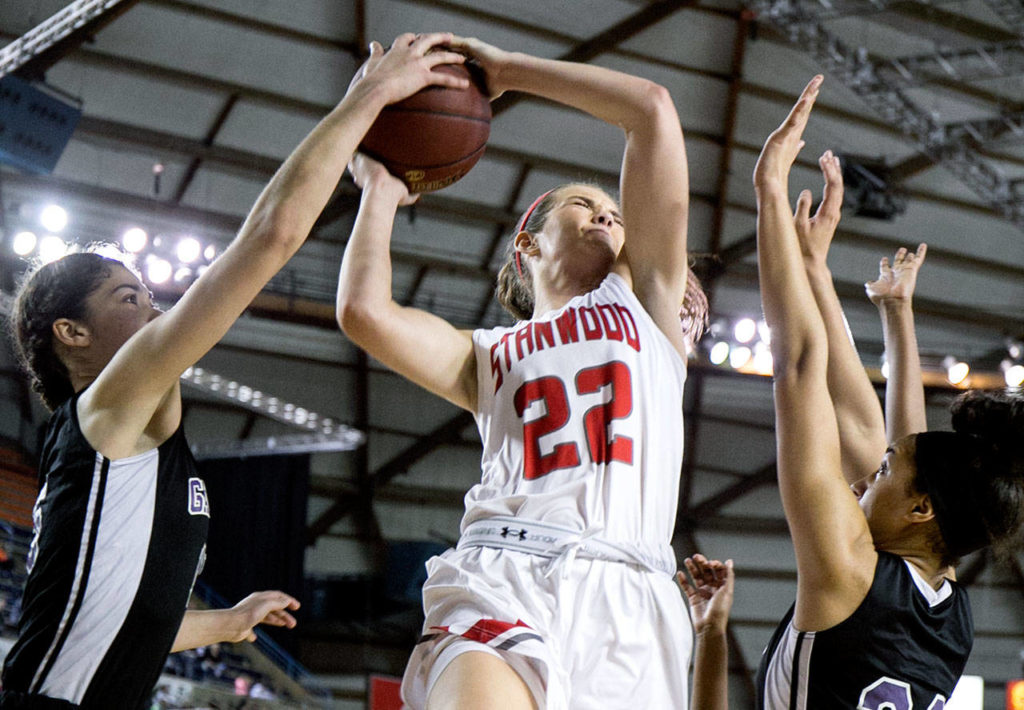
479,681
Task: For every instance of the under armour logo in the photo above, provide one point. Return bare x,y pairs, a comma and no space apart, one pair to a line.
506,531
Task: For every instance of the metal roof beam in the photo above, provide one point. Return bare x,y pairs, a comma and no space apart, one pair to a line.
860,74
32,54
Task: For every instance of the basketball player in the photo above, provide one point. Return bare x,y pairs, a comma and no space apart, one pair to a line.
877,622
560,591
121,520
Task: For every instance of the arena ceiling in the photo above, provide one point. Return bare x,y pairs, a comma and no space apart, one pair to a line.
188,107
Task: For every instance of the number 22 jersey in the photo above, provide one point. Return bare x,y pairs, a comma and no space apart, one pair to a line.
580,413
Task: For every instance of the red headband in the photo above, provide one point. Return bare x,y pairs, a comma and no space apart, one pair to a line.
521,225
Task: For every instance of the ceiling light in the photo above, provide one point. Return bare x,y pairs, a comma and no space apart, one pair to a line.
719,352
134,239
739,357
189,249
52,248
158,271
53,218
23,243
745,330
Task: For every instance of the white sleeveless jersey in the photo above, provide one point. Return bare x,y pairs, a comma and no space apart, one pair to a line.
580,414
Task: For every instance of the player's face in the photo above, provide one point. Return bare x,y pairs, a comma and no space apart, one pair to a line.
115,311
888,496
584,219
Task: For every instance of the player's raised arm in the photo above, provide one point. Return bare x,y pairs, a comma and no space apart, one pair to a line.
893,293
414,343
834,551
118,407
654,183
858,413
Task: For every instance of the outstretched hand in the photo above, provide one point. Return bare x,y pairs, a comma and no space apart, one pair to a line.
711,598
491,59
785,142
815,233
270,608
896,283
408,65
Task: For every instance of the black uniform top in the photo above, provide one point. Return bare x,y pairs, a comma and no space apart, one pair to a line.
116,550
897,650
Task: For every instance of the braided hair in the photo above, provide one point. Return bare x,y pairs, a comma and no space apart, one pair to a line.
47,292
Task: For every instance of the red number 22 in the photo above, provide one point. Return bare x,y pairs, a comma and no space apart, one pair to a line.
595,420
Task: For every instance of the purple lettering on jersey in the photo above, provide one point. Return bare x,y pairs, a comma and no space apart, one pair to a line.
591,323
198,504
886,694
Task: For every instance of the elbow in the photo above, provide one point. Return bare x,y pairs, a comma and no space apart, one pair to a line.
652,105
354,316
797,359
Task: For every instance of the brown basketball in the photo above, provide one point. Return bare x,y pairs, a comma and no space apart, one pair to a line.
435,136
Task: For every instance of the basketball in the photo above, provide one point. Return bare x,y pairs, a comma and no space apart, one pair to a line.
433,138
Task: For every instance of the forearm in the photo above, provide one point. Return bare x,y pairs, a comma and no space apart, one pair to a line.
796,326
615,97
201,628
904,392
859,415
364,284
711,671
291,202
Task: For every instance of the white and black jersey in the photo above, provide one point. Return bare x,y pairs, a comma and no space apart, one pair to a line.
904,647
116,550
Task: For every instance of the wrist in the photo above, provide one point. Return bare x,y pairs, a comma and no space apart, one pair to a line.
895,307
711,632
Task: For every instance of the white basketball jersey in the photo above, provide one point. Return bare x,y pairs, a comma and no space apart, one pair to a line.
580,413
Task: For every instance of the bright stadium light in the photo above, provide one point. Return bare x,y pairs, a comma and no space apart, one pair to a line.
745,330
134,239
51,248
158,270
719,352
23,243
53,218
189,249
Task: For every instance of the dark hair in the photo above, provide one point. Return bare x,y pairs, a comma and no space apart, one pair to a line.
983,460
48,292
514,288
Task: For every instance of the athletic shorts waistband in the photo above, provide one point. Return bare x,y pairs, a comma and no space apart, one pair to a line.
547,540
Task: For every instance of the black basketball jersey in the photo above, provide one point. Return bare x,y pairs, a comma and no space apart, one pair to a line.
899,650
116,550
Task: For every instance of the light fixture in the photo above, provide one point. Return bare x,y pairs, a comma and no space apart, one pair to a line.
182,275
158,270
53,218
956,370
51,248
719,352
763,361
134,239
745,330
885,369
23,243
1014,375
739,357
189,249
209,252
764,331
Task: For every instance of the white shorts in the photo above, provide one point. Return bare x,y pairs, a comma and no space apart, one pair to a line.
582,633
